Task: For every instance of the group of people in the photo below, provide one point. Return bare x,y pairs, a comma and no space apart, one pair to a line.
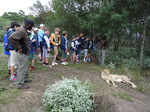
22,43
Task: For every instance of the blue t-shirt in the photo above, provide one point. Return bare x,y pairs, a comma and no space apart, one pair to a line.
40,35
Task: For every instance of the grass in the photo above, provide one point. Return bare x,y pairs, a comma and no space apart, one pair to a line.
8,96
123,96
143,86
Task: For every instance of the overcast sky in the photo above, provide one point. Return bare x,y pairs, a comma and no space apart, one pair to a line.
16,5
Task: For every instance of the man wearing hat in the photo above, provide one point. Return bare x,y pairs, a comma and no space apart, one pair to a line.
20,40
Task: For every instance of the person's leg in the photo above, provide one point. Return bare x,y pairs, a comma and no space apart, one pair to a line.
103,57
46,56
79,57
33,61
85,55
8,59
55,55
63,57
100,56
22,69
43,55
41,48
13,60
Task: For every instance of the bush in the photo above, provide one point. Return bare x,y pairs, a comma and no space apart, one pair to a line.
68,95
1,37
146,63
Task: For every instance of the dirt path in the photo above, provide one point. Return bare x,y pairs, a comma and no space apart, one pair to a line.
30,100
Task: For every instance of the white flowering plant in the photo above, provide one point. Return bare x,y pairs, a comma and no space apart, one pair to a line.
68,95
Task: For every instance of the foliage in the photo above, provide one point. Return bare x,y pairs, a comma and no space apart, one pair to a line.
68,95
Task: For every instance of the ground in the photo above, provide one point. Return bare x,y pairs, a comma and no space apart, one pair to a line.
107,99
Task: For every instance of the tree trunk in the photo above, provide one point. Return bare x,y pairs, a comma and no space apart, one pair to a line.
142,46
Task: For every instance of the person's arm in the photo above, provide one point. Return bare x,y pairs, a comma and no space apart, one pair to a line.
47,41
52,39
5,38
14,39
72,45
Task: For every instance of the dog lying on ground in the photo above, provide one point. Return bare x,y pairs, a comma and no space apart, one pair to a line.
112,78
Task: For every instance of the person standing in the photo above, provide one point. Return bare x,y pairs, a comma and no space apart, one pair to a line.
13,55
20,40
102,46
33,46
6,51
73,49
64,47
55,40
86,48
46,46
40,36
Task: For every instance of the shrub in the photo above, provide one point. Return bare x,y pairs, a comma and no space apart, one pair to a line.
146,63
68,95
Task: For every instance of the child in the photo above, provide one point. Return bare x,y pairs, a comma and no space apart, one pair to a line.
64,47
90,48
6,52
13,54
55,40
33,41
78,44
86,47
46,46
73,49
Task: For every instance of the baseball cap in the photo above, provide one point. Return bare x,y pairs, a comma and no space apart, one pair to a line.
74,36
42,25
29,21
36,29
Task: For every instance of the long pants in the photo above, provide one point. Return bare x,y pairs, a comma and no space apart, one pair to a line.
41,48
22,69
102,57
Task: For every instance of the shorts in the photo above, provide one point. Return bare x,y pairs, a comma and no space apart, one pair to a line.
31,56
85,52
78,51
55,50
64,54
45,52
13,57
38,50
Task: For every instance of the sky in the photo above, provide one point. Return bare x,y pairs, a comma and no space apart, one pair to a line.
16,5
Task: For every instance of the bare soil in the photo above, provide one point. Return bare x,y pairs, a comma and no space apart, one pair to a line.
31,100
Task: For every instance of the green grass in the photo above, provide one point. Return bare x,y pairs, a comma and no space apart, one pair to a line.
8,96
143,86
1,47
123,96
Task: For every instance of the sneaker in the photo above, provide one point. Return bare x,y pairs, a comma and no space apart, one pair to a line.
55,63
63,63
13,78
27,81
66,63
84,61
15,73
23,87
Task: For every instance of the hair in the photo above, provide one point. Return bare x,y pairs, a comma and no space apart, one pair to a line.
7,28
57,30
104,37
64,33
13,24
46,29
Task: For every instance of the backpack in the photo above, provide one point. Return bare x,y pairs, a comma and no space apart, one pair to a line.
7,48
44,44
